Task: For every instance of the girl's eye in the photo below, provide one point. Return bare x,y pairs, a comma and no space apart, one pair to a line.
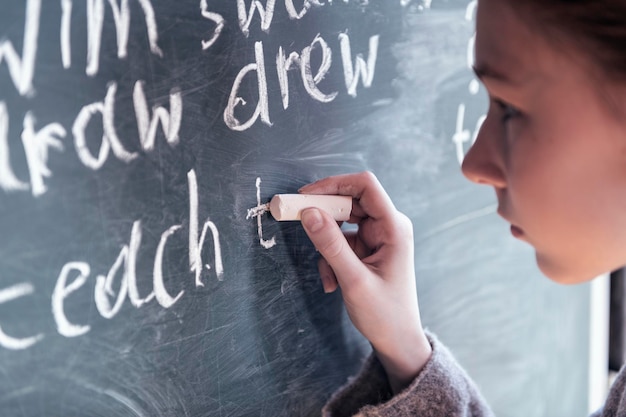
508,111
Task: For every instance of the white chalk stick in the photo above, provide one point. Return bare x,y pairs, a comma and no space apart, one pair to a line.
289,206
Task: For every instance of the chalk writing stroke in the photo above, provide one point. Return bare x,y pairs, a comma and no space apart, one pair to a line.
9,294
121,19
22,69
8,180
257,212
195,244
219,24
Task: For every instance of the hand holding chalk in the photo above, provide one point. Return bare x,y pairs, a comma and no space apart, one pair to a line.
289,206
285,207
374,268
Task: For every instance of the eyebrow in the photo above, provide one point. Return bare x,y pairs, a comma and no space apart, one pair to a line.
483,71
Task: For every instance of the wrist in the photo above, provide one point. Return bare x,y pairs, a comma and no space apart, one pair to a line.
404,361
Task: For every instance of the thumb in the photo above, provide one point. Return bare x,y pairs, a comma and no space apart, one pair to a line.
329,240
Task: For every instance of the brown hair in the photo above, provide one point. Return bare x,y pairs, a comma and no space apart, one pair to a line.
597,28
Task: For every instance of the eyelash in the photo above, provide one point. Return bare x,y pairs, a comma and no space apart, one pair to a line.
508,111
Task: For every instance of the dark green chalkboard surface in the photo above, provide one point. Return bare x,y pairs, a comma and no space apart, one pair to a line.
135,135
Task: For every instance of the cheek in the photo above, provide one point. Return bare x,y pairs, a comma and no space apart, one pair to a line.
526,164
544,160
544,198
566,178
575,228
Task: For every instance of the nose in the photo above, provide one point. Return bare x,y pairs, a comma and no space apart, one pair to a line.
484,162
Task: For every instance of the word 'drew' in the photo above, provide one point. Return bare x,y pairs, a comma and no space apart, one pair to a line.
362,70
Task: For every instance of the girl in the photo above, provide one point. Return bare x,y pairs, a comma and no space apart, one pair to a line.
553,147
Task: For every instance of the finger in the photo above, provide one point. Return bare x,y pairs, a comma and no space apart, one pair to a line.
372,200
332,244
327,275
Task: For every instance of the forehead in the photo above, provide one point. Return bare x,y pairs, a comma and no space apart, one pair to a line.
515,49
506,44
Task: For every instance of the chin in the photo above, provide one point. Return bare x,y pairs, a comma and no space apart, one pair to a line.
566,275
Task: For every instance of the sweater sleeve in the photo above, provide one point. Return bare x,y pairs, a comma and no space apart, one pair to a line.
442,389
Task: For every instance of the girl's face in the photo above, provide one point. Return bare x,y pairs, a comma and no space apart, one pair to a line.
552,147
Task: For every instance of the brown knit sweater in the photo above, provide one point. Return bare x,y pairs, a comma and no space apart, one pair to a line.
442,389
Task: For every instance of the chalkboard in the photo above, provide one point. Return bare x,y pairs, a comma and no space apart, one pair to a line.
135,137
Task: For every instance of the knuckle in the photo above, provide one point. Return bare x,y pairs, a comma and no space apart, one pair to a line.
369,177
402,229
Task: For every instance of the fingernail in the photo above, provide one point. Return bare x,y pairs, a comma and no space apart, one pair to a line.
312,219
304,187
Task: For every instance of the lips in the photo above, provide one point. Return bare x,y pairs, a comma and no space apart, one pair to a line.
516,231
